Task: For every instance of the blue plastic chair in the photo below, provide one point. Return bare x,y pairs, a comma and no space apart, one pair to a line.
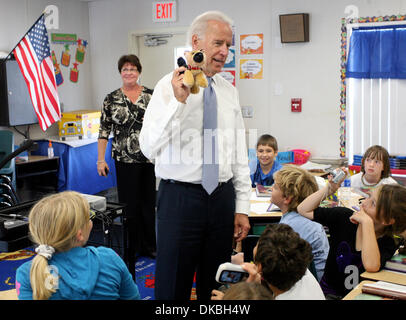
7,147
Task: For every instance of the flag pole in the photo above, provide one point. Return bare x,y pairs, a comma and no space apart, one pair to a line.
5,59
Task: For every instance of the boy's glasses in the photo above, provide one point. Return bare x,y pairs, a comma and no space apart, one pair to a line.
92,215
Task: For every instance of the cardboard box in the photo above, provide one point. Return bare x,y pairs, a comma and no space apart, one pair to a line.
83,124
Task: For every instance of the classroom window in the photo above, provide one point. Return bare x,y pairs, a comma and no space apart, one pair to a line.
375,89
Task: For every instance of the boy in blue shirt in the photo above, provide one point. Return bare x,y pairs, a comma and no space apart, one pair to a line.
263,168
293,185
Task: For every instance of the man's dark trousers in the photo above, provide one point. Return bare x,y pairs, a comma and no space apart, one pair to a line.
194,234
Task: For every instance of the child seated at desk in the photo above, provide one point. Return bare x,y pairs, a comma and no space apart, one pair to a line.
375,170
292,185
266,164
64,269
359,241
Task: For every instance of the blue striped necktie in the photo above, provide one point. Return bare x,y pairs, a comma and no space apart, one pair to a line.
210,169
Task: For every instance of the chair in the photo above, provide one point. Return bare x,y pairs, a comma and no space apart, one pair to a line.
7,147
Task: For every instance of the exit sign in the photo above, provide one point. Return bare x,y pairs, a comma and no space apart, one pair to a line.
164,11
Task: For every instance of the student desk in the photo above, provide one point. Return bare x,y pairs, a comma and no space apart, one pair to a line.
8,294
77,165
258,215
387,276
356,291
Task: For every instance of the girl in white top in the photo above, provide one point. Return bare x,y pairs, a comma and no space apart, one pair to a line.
375,170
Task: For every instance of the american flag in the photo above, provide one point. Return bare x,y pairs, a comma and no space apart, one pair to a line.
34,58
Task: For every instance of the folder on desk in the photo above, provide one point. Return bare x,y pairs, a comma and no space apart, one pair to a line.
273,208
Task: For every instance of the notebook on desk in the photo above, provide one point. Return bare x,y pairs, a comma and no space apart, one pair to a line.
385,289
273,208
263,191
397,263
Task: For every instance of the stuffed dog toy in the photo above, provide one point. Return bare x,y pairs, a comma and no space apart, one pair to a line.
194,77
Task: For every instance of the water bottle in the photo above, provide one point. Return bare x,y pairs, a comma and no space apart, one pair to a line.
50,150
345,192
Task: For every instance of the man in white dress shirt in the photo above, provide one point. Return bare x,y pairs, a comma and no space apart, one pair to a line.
195,227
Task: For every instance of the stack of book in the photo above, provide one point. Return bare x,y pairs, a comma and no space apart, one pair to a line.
397,263
263,191
385,289
397,162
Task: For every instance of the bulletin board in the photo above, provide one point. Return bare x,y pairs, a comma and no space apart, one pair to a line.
68,52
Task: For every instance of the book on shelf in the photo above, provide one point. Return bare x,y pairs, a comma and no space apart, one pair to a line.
397,263
385,289
263,191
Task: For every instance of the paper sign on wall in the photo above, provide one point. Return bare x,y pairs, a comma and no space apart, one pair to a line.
229,75
230,62
251,68
252,43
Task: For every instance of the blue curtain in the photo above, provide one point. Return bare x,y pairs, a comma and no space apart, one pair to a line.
377,52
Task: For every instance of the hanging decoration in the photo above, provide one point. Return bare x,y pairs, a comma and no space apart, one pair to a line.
74,73
65,58
58,74
68,41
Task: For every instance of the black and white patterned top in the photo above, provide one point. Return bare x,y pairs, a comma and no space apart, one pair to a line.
124,118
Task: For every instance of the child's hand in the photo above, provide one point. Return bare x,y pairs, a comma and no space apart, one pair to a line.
333,187
253,274
217,295
360,217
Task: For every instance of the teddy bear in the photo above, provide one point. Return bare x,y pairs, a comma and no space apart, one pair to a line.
194,77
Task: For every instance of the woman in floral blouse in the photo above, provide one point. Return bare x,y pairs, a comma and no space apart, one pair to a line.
122,113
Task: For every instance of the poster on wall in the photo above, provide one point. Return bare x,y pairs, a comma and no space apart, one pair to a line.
230,62
251,68
63,38
229,75
72,52
252,43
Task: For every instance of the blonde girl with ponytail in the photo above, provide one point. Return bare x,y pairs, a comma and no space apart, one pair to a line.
60,224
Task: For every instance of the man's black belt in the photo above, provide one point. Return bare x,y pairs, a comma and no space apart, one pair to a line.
195,185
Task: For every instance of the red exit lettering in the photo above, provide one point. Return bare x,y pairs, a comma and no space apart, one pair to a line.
164,10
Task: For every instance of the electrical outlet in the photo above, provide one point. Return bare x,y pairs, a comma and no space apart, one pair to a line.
247,111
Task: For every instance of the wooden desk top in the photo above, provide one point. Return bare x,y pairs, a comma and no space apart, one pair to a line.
8,294
356,291
266,201
386,275
277,214
353,201
34,159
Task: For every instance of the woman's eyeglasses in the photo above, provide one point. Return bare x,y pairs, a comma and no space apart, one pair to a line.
129,70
